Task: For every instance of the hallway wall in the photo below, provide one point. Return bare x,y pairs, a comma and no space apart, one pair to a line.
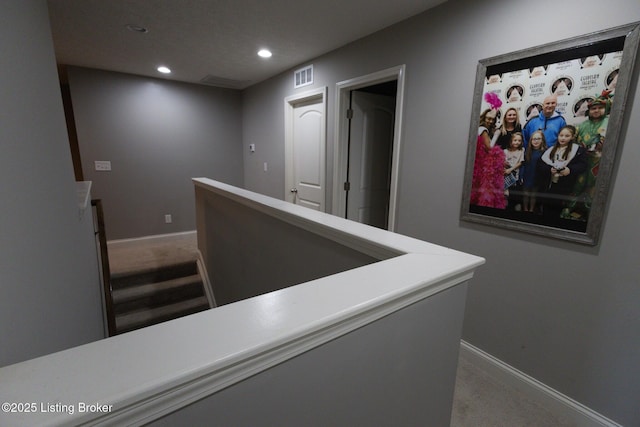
49,279
158,134
563,313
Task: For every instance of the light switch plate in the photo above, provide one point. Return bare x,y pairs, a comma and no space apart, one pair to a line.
103,165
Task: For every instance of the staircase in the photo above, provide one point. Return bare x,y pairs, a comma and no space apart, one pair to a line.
146,297
152,280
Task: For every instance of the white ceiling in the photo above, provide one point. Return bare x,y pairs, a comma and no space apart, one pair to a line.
216,38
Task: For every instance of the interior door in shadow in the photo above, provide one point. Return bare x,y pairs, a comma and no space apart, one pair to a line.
370,155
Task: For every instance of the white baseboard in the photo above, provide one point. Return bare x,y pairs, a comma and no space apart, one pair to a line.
150,239
540,393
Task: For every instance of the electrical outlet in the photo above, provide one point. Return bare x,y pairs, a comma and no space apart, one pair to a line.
167,219
103,165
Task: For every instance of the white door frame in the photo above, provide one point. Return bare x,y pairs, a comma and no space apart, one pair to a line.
289,105
340,154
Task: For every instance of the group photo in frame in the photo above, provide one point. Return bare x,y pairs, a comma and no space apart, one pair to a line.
545,129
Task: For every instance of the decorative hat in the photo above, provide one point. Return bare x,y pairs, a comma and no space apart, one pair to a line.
605,99
493,99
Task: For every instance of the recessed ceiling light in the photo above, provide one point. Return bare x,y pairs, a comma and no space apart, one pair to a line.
136,28
264,53
164,70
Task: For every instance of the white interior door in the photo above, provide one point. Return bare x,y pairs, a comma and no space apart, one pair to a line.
370,158
306,142
341,138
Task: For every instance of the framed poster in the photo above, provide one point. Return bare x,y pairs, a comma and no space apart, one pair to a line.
545,128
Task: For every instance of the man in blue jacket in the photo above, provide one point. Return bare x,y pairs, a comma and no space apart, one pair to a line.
549,121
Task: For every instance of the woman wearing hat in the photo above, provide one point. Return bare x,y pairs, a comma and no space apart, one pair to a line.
487,186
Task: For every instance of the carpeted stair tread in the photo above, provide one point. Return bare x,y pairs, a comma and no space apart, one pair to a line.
152,275
154,295
132,293
139,319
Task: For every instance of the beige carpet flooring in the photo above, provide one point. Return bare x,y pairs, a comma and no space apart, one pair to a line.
146,254
480,400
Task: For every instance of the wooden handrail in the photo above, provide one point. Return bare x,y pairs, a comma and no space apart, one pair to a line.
106,272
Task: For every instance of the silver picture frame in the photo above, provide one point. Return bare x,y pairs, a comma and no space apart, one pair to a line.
575,72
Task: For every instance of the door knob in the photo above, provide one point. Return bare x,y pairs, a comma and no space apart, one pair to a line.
294,190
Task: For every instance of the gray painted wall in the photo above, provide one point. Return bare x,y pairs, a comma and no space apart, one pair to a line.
49,282
249,253
561,312
158,135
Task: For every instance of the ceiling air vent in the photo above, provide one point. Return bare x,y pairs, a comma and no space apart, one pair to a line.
303,77
223,82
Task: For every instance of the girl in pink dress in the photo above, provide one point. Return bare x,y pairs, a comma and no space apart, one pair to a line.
487,186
